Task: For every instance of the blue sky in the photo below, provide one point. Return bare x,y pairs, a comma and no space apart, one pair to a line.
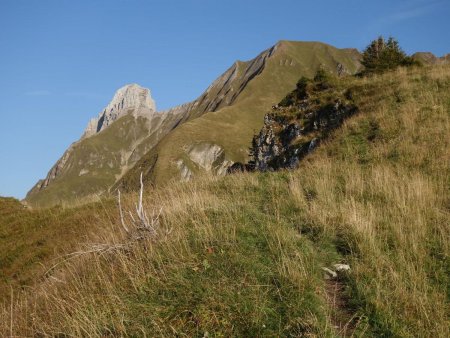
62,60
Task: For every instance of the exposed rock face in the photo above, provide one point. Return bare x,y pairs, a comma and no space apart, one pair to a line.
209,157
130,99
275,146
206,157
185,173
290,132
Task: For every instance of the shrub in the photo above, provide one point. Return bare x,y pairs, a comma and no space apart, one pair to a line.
302,88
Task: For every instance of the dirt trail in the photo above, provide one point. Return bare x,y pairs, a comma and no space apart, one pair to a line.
343,318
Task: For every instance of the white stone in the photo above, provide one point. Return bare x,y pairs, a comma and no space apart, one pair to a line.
83,172
341,267
185,172
329,273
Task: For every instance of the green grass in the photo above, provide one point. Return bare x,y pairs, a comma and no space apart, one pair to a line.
31,239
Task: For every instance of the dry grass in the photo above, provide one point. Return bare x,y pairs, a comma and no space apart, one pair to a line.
217,265
242,255
385,202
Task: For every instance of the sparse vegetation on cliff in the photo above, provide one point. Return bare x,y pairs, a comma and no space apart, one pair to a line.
303,119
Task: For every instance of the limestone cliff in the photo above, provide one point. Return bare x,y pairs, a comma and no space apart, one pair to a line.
130,99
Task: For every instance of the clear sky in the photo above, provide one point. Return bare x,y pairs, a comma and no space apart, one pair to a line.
62,60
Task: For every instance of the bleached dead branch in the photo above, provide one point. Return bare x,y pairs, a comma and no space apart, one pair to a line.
138,227
141,222
121,214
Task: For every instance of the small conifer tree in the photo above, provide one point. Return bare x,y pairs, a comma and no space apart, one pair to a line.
381,55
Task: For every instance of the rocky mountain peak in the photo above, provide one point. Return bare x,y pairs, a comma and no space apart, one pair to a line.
130,99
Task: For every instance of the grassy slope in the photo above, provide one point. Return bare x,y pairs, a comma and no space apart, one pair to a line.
233,127
242,255
104,155
31,239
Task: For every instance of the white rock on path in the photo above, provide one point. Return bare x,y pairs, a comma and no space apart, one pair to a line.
341,267
337,268
329,273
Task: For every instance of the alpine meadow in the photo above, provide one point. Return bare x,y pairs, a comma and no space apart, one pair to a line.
304,193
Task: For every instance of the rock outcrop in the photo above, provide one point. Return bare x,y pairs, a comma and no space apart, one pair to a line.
203,156
209,157
206,157
296,126
130,99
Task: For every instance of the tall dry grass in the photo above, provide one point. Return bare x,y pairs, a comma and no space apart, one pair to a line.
385,202
200,273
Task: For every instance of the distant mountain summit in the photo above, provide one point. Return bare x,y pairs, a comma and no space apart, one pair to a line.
123,132
130,99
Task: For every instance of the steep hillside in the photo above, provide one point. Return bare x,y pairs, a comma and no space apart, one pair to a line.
215,140
254,254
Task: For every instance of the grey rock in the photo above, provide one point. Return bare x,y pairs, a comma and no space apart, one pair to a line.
185,172
341,267
130,99
329,273
207,157
313,144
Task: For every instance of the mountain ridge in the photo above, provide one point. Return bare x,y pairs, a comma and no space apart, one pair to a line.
231,128
92,154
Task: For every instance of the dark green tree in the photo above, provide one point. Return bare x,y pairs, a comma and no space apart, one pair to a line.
381,55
